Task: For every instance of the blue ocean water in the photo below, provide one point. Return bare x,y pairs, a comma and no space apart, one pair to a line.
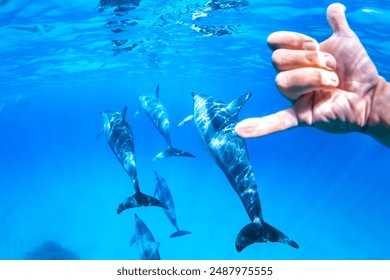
62,62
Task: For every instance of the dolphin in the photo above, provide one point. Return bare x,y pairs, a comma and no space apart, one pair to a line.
215,123
157,113
147,246
163,193
121,141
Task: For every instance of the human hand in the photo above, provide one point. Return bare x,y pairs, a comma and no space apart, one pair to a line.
331,85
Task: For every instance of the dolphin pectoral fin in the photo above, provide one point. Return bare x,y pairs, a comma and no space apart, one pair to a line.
261,232
137,113
99,134
138,200
170,152
185,120
133,240
138,110
179,233
185,154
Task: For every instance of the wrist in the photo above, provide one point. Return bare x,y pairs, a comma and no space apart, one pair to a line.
378,123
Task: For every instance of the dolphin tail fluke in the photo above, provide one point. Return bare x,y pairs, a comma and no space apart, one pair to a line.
139,199
261,232
170,152
179,233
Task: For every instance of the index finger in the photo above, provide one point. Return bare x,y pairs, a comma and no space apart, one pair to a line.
256,127
292,40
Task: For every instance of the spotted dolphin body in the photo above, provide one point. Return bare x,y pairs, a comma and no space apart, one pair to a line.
157,113
215,123
143,238
121,141
163,193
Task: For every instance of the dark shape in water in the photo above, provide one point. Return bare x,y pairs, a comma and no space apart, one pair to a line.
38,29
32,29
119,49
118,30
122,6
3,2
227,4
51,251
209,30
121,141
120,26
215,122
118,43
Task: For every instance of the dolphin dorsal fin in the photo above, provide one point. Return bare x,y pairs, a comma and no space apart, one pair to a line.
133,240
235,106
157,93
124,114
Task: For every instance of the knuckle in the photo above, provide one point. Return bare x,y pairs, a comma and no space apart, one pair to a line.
318,77
281,81
278,58
312,58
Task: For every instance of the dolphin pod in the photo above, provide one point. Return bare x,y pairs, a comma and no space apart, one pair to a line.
157,113
121,141
163,193
215,123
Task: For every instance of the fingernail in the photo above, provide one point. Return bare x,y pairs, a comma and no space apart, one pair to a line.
330,62
331,79
310,46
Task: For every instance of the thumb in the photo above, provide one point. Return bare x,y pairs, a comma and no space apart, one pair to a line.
255,127
337,20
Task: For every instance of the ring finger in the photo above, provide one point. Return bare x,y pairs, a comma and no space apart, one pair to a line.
296,82
284,59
